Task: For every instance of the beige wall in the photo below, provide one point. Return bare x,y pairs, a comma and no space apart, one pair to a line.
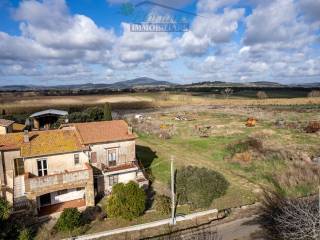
8,157
123,177
126,151
57,163
3,130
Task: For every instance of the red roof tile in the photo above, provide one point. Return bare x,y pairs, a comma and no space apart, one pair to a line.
105,131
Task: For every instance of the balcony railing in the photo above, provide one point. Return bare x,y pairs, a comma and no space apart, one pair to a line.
36,184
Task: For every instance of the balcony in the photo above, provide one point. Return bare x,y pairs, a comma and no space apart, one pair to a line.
41,185
121,167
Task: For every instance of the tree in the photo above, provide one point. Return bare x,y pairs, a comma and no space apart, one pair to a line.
107,113
314,93
262,95
227,92
162,204
94,113
69,219
289,218
5,209
199,186
126,201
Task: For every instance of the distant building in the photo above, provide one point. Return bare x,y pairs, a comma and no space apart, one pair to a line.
6,126
45,119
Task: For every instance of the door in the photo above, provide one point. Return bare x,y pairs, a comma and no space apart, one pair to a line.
45,199
42,167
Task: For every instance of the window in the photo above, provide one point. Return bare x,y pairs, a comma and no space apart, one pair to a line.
112,157
18,166
42,167
113,179
76,159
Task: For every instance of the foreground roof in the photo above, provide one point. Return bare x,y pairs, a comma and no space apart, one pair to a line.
51,112
105,131
5,122
42,143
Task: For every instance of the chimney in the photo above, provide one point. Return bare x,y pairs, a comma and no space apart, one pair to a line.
26,136
129,130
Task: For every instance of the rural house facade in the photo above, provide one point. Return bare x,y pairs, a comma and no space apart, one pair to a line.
68,167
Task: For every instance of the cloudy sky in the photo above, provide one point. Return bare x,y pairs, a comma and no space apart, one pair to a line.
51,42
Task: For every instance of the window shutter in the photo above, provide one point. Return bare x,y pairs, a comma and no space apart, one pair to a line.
94,157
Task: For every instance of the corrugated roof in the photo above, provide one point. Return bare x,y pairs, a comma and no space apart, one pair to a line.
104,131
5,122
50,111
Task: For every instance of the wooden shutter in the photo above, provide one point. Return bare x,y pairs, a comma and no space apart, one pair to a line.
93,157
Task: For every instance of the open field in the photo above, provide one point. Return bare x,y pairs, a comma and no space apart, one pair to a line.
26,104
281,149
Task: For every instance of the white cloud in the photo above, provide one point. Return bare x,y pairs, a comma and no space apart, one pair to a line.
217,28
192,45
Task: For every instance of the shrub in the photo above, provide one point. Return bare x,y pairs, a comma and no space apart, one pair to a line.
162,204
69,219
5,209
107,113
199,186
126,201
25,234
94,113
290,218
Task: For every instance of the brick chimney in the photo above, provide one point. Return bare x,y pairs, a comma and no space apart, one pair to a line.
26,136
129,130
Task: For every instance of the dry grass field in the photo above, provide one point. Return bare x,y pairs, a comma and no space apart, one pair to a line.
26,104
251,158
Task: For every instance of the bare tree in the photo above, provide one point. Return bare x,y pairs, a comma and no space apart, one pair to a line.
262,95
314,93
227,92
291,219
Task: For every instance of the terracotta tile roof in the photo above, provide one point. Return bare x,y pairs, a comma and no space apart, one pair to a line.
51,142
5,122
42,142
105,131
11,141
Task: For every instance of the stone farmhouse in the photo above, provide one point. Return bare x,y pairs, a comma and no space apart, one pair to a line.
69,167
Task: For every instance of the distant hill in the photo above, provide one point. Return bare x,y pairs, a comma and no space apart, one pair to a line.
145,82
133,83
141,82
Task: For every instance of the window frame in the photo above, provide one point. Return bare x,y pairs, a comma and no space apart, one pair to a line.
113,179
76,160
19,167
43,170
112,158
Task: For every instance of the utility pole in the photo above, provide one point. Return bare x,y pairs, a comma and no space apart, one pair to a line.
173,220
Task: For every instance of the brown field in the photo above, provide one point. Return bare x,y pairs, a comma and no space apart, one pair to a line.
25,104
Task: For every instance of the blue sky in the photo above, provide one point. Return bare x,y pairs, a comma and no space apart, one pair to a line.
48,42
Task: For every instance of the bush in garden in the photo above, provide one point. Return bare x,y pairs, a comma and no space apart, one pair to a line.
69,219
162,204
126,201
25,234
5,209
199,186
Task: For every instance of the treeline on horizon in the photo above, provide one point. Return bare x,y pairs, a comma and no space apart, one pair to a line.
239,91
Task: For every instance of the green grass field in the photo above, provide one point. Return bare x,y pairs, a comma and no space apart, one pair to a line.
213,152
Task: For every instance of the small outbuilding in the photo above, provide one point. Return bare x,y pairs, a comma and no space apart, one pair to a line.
6,126
45,119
